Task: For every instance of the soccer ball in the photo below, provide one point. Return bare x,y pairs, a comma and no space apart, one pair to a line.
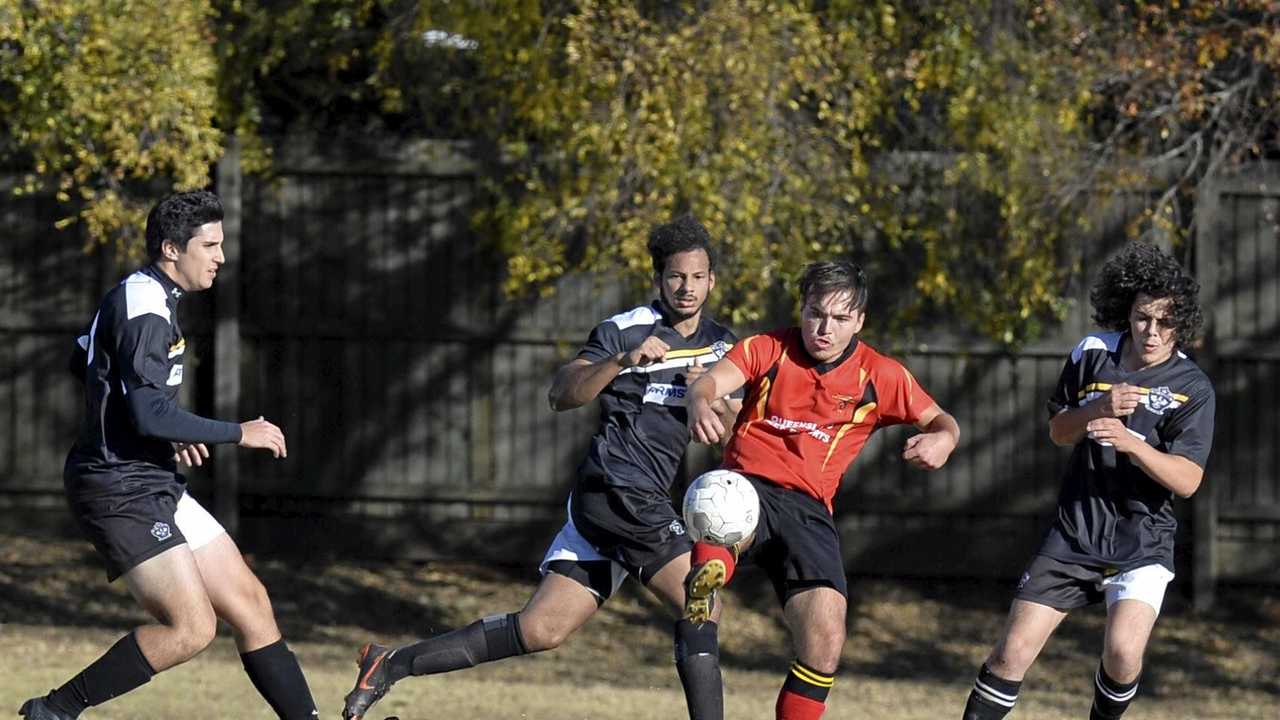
721,507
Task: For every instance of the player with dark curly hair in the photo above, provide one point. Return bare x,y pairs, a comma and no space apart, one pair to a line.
1139,413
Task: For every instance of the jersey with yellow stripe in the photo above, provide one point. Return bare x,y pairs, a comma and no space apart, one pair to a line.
804,422
1111,514
643,432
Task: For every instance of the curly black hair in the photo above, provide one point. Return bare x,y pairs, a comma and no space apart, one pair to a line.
683,234
1142,268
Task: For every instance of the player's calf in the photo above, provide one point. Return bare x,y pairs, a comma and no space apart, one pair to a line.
992,696
1110,698
804,693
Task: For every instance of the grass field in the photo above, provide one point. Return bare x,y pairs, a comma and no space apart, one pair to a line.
912,652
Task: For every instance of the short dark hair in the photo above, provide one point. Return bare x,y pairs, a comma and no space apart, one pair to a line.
178,217
683,234
1143,268
839,276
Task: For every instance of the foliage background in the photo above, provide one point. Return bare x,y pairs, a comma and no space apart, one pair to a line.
953,147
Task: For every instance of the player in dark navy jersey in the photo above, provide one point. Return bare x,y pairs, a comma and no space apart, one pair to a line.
1139,414
621,518
125,492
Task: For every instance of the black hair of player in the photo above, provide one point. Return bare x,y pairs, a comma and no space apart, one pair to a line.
1143,268
821,279
178,217
683,234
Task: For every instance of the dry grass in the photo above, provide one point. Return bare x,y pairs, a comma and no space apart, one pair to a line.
913,647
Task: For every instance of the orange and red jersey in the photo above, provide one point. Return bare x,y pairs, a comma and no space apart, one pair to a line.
803,422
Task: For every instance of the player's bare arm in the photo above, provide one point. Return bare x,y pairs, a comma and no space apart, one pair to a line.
705,425
939,435
579,381
264,435
1180,475
1069,426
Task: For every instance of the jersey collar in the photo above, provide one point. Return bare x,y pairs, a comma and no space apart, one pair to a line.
824,368
171,289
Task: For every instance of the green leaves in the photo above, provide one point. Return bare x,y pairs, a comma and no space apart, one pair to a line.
105,96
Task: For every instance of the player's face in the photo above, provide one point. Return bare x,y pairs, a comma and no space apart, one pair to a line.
686,282
828,325
1154,338
197,266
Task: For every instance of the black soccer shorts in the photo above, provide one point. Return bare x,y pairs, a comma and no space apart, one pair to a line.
129,521
636,527
796,542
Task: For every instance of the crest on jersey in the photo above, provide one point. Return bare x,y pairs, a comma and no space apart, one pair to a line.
1160,399
842,401
676,528
160,531
719,347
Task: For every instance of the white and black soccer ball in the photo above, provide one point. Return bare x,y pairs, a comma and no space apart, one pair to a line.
721,507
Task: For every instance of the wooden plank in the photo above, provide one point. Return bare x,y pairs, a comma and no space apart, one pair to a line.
227,343
1209,221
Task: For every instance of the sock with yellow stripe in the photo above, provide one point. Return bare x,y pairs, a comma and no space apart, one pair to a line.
804,694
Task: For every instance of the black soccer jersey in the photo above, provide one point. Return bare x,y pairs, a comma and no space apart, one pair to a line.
1110,513
643,432
132,364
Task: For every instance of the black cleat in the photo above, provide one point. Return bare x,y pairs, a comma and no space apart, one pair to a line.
700,590
371,683
38,709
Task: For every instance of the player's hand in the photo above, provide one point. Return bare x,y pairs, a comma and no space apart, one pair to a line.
651,350
704,424
1112,432
1121,400
264,435
190,454
694,371
928,451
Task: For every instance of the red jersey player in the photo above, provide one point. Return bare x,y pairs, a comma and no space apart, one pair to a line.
814,394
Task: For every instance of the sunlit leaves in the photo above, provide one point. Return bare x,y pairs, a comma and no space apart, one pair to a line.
104,96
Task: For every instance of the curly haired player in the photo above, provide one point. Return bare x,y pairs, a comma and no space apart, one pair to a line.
1139,414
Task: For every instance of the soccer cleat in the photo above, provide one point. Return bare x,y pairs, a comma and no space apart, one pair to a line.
38,709
700,590
371,684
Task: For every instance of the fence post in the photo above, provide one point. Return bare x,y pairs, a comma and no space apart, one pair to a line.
1204,504
226,337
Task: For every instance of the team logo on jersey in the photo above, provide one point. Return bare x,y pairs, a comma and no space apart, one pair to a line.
161,532
720,348
842,401
676,527
1160,399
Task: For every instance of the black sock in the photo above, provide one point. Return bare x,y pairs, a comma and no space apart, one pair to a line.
119,670
992,696
493,638
275,672
1110,698
698,664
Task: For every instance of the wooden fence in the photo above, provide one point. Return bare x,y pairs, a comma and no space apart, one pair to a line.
362,314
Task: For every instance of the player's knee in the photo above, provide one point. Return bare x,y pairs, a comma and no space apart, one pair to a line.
540,634
1123,664
194,632
1011,657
